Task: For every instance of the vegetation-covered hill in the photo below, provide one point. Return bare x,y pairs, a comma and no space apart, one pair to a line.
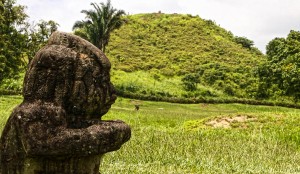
173,55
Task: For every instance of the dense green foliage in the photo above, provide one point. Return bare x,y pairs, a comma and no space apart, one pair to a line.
208,60
173,138
11,38
99,23
19,41
37,36
280,75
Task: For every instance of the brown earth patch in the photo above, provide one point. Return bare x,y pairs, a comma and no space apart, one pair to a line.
227,122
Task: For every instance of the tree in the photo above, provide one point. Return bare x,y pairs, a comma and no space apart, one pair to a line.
12,17
246,43
275,50
36,37
99,23
281,73
19,41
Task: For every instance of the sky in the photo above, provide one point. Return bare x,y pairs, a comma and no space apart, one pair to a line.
258,20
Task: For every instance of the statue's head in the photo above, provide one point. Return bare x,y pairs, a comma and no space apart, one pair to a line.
71,73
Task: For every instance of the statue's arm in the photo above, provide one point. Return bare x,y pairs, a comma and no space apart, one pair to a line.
93,140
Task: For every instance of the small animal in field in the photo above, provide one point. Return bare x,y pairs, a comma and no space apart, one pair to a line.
136,103
137,107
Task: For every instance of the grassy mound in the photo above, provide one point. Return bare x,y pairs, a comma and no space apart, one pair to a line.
152,53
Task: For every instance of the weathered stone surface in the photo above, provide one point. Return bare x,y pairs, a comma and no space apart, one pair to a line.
58,127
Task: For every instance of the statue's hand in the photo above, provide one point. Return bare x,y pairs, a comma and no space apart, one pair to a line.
110,134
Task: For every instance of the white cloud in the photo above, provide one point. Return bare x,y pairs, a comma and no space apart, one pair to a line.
258,20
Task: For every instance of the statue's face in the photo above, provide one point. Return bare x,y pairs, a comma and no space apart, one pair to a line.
93,93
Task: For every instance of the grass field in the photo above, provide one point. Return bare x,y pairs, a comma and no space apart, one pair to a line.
177,138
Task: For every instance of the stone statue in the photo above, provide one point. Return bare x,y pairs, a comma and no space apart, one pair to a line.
57,129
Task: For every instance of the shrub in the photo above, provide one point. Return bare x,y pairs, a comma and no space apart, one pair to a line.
190,82
12,85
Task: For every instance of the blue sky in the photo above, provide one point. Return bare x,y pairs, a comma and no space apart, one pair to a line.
258,20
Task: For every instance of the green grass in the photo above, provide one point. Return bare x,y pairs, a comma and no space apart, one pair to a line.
153,84
172,138
7,104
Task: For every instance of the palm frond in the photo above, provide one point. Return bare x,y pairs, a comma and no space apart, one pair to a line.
99,23
78,24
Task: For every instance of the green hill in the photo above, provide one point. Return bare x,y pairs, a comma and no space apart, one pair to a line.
179,58
182,56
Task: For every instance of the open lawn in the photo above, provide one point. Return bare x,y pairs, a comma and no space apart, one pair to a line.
177,138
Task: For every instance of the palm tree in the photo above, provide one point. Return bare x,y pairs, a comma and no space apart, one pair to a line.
99,23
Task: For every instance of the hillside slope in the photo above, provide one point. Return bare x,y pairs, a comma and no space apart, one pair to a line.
173,55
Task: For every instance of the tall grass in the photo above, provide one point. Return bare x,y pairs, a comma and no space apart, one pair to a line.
163,140
162,143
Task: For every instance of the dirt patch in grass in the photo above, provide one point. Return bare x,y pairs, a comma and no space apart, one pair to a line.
229,122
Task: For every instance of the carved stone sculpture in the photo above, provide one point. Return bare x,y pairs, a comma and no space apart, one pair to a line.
57,129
